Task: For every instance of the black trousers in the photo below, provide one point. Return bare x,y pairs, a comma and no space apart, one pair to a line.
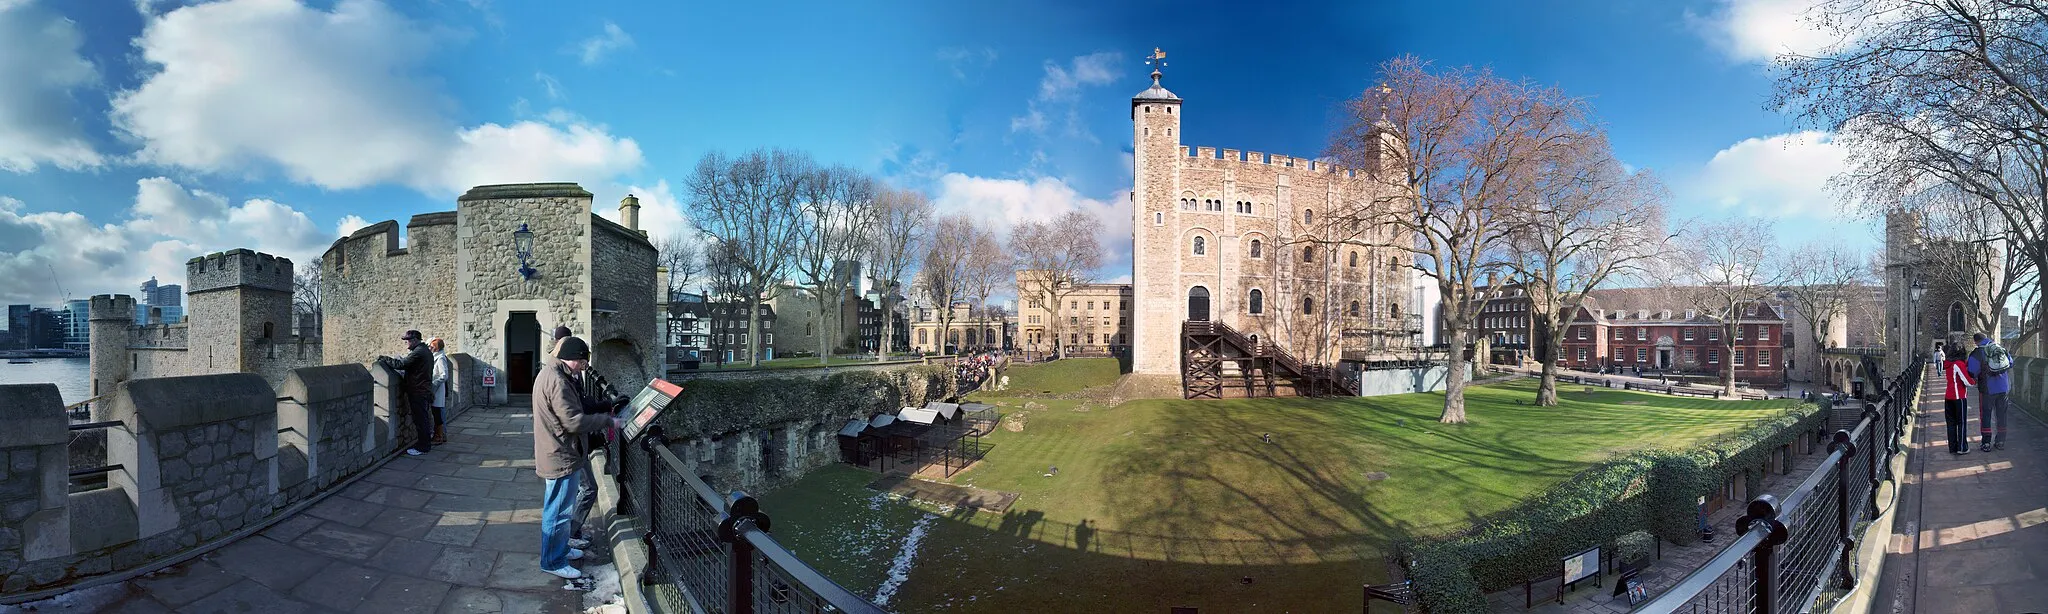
1957,413
421,406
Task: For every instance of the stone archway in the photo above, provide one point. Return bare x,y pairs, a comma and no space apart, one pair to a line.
620,363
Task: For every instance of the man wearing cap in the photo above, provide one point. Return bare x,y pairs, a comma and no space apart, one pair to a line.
417,388
562,418
597,396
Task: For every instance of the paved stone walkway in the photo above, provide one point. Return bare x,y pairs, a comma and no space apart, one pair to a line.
455,530
1969,537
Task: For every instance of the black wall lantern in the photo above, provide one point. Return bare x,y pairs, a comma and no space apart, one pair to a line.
522,242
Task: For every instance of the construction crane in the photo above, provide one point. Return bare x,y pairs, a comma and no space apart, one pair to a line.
58,284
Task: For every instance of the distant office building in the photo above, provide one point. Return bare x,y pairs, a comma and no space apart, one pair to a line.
78,325
169,314
17,326
46,328
169,295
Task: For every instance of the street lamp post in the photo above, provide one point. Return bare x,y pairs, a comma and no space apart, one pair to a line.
1918,289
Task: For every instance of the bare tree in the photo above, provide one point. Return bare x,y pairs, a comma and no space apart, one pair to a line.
1730,268
306,298
989,268
1935,96
1967,246
1451,153
1058,257
1821,286
724,284
944,274
895,240
1588,222
838,210
752,205
684,259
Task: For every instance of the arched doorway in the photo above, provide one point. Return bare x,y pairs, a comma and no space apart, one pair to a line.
620,364
1198,303
522,352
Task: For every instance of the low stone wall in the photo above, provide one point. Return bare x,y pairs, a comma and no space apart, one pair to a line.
199,459
1380,382
2030,384
805,372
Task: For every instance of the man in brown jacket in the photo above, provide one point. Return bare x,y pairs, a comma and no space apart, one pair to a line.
561,419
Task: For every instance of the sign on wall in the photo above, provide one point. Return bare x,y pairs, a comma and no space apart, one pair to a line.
1582,565
490,377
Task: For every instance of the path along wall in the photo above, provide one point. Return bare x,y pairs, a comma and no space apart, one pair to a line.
199,458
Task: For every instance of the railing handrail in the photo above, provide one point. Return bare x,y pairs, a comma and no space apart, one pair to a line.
764,543
1899,394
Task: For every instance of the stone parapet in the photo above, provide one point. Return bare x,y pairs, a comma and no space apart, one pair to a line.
320,420
2030,384
33,479
237,268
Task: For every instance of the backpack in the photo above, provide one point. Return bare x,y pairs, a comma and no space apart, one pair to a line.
1996,360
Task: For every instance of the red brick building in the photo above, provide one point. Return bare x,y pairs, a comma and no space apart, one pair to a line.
1653,329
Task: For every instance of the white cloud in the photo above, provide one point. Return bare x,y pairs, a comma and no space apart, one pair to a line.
548,83
661,213
1061,86
1760,30
613,39
40,67
338,99
1003,203
167,225
349,225
1780,175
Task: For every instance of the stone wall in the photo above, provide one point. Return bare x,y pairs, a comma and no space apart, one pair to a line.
624,336
373,290
2030,384
489,287
200,457
805,373
1378,382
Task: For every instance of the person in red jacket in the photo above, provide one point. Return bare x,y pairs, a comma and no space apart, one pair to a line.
1956,398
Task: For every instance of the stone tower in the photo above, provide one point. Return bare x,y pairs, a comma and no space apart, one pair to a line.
112,318
240,302
1155,139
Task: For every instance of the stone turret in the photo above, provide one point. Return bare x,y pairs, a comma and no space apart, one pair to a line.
112,318
237,300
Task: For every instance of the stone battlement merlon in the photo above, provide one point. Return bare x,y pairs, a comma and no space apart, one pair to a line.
237,268
1305,165
112,307
525,190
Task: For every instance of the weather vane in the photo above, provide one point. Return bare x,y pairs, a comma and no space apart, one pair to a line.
1386,93
1157,60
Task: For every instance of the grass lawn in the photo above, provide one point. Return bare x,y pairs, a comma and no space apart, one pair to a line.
1061,376
1163,503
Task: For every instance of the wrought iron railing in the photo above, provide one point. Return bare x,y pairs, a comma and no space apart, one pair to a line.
1789,552
713,554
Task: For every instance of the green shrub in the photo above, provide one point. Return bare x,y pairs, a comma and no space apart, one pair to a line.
1656,490
1635,547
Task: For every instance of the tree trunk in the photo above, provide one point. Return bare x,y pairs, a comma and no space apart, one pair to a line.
1728,365
888,329
1454,382
753,333
1546,389
825,336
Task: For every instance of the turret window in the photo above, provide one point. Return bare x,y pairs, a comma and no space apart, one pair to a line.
1158,218
1354,259
1308,216
1308,305
1256,249
1256,304
1200,247
1354,309
1308,254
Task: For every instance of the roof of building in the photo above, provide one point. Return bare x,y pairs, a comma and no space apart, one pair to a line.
1651,304
853,428
1156,92
918,415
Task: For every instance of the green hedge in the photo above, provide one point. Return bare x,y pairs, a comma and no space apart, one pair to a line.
1656,490
711,407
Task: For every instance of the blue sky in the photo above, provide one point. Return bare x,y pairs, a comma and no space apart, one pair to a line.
151,131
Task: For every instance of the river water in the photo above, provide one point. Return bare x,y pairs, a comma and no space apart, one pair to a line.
73,376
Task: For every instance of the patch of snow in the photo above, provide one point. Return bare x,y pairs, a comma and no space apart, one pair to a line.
605,588
85,600
899,569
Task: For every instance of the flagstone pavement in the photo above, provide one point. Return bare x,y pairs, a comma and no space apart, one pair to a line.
1969,537
455,530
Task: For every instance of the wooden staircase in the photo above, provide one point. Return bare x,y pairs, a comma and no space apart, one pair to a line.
1218,362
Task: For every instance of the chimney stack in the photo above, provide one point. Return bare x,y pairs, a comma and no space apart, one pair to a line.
629,213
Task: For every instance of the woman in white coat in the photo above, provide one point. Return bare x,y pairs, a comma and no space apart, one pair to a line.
444,377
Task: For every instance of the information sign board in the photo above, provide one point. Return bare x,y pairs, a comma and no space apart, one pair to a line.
648,405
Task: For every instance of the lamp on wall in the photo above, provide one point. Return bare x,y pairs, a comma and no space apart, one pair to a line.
522,242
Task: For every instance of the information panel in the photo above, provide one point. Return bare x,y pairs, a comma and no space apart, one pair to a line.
1579,566
648,405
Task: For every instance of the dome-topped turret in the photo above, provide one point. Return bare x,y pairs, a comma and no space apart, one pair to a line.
1156,93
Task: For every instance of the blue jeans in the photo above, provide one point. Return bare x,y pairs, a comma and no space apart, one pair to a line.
557,501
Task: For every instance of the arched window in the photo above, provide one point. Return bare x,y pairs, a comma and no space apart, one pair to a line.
1393,262
1308,216
1257,302
1308,305
1255,248
1955,316
1354,309
1158,218
921,339
1200,247
1394,308
1354,259
267,330
1308,254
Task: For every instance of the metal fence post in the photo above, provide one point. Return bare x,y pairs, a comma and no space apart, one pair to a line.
1876,425
648,442
1848,448
742,514
1763,515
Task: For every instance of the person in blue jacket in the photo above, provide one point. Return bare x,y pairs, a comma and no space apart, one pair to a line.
1992,385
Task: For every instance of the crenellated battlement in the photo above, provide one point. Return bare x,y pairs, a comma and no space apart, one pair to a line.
1259,159
113,307
237,268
